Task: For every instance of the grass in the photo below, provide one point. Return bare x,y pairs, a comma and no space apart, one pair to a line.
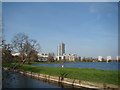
92,75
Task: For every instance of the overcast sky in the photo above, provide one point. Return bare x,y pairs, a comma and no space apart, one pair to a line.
87,29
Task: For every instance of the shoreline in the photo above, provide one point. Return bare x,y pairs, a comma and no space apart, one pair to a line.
80,83
68,62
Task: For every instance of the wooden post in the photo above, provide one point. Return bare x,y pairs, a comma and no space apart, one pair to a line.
104,86
23,72
80,82
73,82
38,75
31,74
59,79
49,77
45,78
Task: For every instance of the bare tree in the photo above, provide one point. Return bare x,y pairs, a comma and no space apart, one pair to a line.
27,48
19,41
51,57
32,49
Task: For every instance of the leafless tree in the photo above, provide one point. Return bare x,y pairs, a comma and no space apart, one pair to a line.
32,49
51,57
19,41
27,48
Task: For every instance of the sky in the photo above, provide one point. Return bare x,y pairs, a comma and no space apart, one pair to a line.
89,29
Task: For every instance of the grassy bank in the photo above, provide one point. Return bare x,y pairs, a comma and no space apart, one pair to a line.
93,75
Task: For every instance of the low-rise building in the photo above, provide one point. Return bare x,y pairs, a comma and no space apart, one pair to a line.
69,57
15,54
100,58
108,58
42,55
60,58
118,58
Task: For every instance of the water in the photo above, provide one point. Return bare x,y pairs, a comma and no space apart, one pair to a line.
16,80
96,65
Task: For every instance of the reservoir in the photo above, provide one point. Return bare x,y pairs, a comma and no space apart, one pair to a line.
115,66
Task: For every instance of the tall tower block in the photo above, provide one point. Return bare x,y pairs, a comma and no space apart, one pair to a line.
61,49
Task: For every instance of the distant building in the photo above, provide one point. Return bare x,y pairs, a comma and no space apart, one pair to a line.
42,55
15,54
60,58
61,49
71,57
66,57
108,58
118,58
100,58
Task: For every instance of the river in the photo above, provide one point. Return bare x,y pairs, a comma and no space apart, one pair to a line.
16,80
96,65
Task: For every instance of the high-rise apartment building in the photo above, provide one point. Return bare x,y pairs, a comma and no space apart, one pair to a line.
61,49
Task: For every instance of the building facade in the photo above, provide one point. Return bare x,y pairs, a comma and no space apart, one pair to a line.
15,54
42,55
61,49
100,58
118,58
109,58
69,57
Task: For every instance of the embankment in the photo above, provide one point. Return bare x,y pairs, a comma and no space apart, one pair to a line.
90,78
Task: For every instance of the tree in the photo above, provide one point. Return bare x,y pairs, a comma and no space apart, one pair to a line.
19,41
84,59
32,49
51,57
6,52
27,48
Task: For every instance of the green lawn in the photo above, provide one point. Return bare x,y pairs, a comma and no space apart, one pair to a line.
93,75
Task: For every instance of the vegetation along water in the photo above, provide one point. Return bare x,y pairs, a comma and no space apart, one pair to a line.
86,74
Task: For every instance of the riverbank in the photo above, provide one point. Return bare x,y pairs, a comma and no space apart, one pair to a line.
97,77
57,62
54,80
47,62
